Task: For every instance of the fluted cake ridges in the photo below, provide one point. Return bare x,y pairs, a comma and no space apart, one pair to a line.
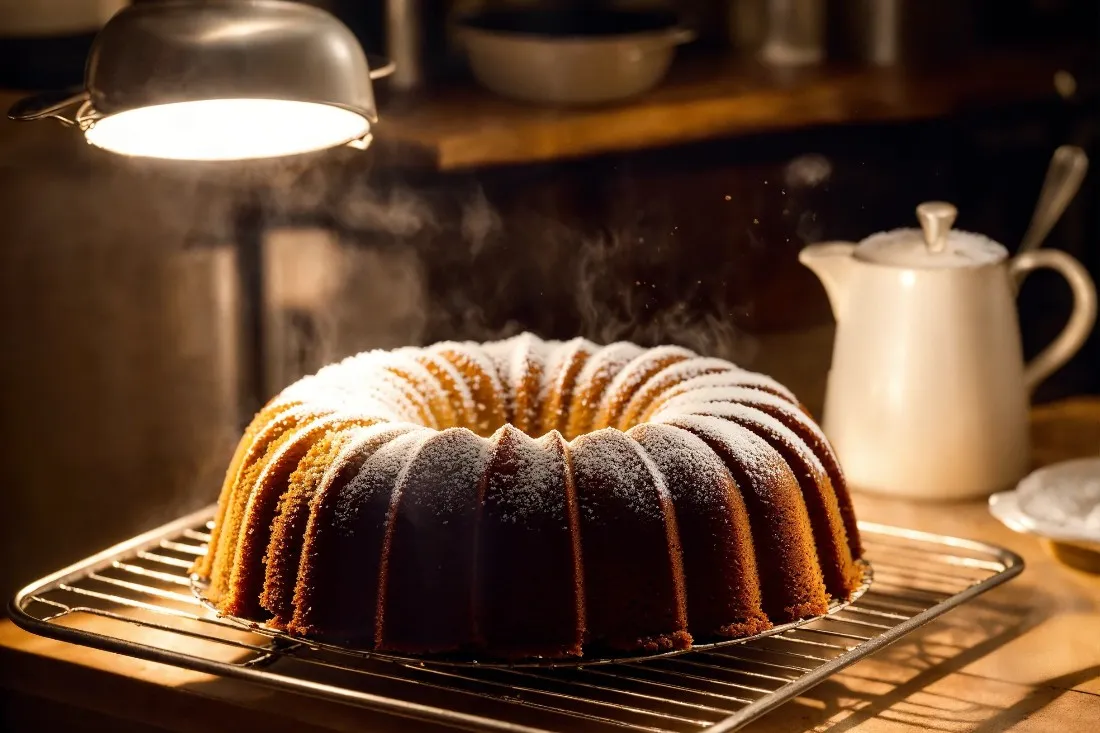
527,498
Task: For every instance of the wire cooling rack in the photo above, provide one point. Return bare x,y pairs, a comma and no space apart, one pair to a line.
198,588
136,599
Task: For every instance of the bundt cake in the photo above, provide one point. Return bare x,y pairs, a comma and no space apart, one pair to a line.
531,498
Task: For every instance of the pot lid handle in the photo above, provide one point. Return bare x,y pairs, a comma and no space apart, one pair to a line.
47,104
936,218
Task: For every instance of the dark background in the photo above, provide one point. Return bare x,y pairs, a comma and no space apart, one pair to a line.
126,367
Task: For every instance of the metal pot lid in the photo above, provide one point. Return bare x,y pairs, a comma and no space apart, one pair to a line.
220,80
186,50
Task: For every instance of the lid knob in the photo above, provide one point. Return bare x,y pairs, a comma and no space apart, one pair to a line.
936,218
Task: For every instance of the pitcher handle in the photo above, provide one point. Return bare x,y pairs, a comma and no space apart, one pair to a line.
1081,321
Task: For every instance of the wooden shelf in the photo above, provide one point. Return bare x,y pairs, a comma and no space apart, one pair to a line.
703,99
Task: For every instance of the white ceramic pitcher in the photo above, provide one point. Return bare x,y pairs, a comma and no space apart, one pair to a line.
928,394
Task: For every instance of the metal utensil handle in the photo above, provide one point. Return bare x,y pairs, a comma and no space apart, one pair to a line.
1081,321
47,104
1067,169
380,67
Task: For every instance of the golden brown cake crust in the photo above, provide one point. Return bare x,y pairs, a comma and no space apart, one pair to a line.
284,550
531,498
528,544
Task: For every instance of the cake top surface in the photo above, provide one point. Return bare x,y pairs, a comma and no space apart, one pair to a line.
481,387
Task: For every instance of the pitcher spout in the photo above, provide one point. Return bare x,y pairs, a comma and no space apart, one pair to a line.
833,264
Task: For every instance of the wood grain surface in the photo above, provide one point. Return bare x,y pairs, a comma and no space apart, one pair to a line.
704,98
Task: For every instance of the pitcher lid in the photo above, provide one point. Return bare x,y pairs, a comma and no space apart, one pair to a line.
934,246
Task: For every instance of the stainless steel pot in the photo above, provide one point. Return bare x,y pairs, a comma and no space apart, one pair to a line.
571,57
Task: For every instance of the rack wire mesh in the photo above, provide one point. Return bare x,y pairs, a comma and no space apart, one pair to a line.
199,587
135,599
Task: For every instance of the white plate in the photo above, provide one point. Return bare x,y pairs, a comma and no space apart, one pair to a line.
1059,502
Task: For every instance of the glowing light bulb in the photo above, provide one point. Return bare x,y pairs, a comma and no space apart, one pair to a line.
227,129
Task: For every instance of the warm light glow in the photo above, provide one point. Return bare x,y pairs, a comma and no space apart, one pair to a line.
227,129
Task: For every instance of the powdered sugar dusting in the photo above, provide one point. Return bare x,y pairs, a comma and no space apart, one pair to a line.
604,365
442,478
761,384
364,441
480,374
699,404
635,373
376,479
761,422
502,354
691,469
404,365
527,477
393,389
285,459
526,372
658,479
453,385
609,461
687,401
362,385
751,453
470,354
669,377
529,358
438,500
559,383
558,361
593,380
695,367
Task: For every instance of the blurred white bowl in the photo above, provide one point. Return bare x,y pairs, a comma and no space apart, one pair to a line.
1059,502
571,58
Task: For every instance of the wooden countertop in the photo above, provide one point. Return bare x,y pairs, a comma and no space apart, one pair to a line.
1023,657
704,98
